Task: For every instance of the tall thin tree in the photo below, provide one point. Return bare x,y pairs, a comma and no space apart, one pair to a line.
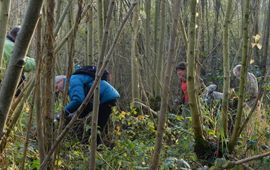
4,15
103,47
49,77
134,58
166,85
243,77
226,68
192,93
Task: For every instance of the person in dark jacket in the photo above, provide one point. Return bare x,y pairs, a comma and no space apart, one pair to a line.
79,86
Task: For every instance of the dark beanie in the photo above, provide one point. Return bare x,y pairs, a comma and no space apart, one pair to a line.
13,33
181,66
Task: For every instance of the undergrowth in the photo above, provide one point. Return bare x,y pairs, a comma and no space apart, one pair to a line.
130,138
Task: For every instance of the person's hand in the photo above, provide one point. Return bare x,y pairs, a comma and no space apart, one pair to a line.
70,116
57,117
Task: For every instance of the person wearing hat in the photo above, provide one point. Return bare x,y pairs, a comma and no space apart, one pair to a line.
79,86
30,63
9,44
251,86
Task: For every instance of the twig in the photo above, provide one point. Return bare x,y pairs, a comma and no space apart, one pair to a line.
147,107
245,165
242,161
105,160
27,135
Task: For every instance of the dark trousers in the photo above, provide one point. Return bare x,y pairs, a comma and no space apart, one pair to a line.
105,111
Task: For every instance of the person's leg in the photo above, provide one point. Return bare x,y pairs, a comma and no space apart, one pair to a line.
105,111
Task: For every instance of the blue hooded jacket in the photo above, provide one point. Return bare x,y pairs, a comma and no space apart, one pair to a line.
78,89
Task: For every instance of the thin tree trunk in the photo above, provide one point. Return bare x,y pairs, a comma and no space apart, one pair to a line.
60,20
49,77
166,85
196,124
71,53
16,62
265,58
217,7
58,10
255,15
243,77
207,25
134,59
4,15
29,125
96,102
99,22
89,41
156,43
147,25
160,52
226,68
37,96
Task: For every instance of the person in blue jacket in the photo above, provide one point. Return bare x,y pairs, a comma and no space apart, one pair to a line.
79,86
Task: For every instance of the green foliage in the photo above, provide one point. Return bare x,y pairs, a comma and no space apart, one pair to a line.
133,139
174,163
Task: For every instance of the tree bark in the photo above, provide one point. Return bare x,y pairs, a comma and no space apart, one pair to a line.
265,58
147,25
161,49
49,77
96,102
166,85
134,58
29,125
243,77
90,37
155,77
37,96
4,15
192,93
255,29
226,68
61,19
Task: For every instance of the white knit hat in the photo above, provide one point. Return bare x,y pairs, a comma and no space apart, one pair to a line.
59,78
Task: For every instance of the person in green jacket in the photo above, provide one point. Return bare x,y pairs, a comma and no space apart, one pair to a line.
30,63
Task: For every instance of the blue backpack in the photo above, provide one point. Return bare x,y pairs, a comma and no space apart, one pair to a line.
91,71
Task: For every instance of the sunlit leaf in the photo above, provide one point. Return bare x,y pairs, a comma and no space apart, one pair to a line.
257,37
259,46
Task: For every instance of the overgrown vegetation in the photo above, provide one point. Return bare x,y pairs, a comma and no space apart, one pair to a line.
145,40
129,143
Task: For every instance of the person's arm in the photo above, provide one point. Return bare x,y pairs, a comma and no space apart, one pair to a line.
76,94
107,92
30,63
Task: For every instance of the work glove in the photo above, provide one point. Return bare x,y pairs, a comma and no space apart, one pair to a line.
70,115
57,117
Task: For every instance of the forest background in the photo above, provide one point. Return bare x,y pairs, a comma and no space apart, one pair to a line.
140,43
